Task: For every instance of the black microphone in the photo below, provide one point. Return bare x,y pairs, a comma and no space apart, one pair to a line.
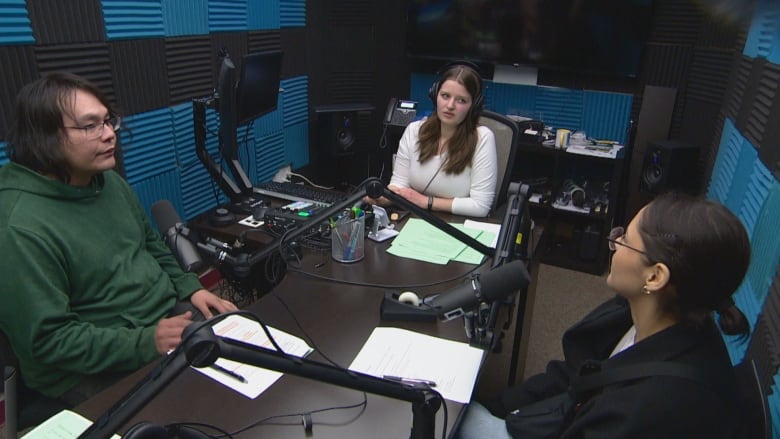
173,231
493,285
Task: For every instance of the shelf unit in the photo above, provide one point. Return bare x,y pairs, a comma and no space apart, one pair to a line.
573,237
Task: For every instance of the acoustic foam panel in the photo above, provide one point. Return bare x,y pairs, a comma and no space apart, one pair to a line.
185,17
292,13
15,23
676,22
234,42
227,16
153,150
258,41
740,76
17,69
139,71
294,41
91,60
263,15
189,67
709,74
137,19
53,21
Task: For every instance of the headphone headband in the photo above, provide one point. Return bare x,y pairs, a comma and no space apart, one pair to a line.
477,101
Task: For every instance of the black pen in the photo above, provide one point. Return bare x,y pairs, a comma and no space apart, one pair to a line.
428,383
228,372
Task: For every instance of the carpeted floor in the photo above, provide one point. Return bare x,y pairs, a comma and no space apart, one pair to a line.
562,297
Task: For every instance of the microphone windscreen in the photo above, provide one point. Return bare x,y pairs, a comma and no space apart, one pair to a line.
164,215
504,280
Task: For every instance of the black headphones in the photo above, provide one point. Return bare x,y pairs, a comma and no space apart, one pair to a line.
148,430
478,100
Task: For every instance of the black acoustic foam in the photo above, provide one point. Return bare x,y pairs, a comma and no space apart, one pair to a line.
73,21
139,71
91,60
17,69
189,65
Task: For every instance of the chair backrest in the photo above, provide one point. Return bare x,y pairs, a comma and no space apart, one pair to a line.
10,376
753,399
507,134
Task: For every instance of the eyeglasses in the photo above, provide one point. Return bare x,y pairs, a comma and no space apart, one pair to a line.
616,237
95,130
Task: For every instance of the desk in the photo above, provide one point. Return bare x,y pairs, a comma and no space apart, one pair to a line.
339,318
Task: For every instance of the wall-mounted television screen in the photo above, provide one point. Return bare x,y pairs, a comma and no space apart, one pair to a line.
589,36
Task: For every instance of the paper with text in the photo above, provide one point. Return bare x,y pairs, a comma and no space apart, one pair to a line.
249,331
452,365
64,425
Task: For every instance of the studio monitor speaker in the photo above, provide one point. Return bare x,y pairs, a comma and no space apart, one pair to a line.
669,165
340,127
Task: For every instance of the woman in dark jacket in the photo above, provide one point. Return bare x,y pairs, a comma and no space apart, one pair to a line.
680,259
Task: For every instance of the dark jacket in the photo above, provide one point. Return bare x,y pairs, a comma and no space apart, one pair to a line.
653,407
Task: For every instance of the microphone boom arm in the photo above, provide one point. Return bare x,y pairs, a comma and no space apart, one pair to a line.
201,347
372,187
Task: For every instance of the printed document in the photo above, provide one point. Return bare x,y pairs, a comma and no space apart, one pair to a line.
257,379
451,365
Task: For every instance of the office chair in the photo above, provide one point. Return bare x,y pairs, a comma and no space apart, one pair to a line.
754,400
507,134
9,368
24,408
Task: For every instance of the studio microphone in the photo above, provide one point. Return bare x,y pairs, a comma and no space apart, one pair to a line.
174,234
493,285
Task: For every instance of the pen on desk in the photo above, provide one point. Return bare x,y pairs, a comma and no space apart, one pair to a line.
409,380
228,372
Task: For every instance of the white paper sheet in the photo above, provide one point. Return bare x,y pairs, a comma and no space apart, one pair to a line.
249,331
452,365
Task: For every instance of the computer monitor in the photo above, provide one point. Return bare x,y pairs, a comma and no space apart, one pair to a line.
257,91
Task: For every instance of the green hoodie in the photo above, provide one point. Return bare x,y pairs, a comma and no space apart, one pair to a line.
84,278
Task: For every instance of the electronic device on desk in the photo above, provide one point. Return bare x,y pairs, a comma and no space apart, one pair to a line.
531,131
247,206
290,215
297,192
400,112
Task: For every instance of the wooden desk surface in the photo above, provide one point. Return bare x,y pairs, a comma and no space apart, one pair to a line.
339,318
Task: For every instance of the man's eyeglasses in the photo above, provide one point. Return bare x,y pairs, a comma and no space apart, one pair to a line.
616,237
95,130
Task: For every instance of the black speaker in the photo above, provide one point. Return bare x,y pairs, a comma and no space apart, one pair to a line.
669,165
340,127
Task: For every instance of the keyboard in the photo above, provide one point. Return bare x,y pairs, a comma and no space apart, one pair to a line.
299,192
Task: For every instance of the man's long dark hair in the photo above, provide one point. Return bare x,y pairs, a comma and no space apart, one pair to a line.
36,135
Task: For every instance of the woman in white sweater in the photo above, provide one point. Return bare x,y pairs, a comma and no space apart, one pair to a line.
447,162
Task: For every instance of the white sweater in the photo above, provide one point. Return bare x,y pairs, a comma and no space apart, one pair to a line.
472,190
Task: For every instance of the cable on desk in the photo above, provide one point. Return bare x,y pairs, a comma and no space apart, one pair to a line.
363,404
386,286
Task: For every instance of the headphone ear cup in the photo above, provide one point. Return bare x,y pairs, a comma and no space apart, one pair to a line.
186,432
433,92
146,430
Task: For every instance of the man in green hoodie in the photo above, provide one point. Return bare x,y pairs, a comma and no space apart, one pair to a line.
88,287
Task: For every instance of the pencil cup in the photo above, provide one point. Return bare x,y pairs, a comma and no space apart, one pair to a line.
348,239
562,138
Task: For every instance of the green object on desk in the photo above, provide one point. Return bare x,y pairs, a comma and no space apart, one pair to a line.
421,241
